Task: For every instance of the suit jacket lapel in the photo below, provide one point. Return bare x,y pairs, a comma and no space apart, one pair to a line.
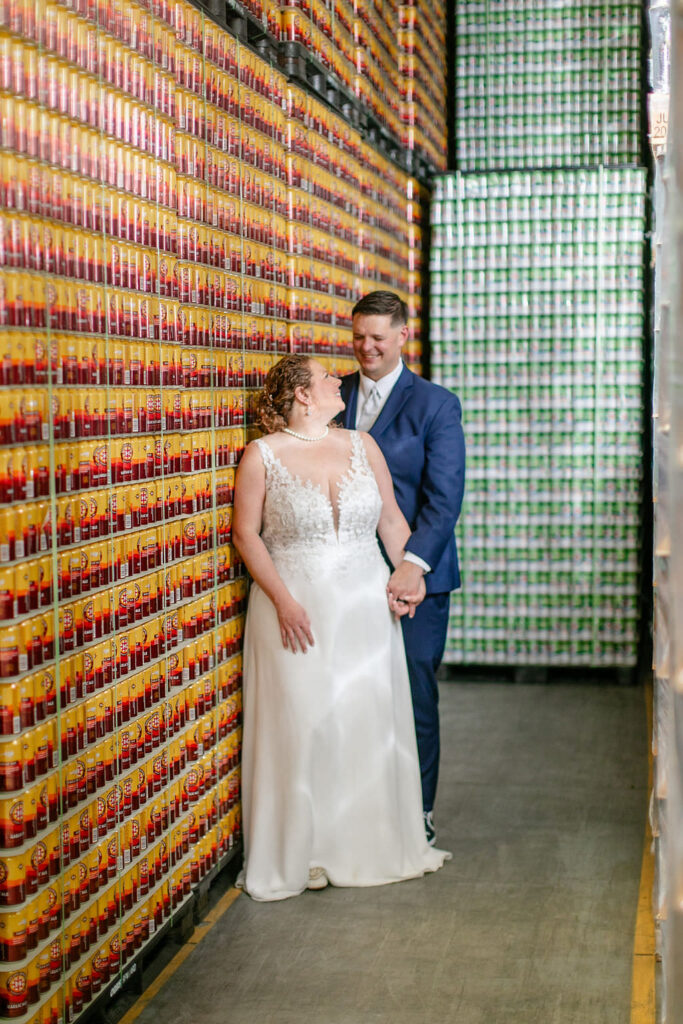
397,398
350,393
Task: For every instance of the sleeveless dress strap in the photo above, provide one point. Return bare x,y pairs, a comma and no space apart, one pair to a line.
359,455
266,453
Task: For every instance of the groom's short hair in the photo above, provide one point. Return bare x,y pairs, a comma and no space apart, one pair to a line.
383,303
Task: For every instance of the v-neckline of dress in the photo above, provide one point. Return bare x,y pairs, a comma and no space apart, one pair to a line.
311,485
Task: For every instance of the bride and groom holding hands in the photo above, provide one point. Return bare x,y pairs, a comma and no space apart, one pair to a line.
341,728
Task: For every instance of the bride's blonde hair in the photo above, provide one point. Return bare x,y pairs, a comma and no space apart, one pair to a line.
277,398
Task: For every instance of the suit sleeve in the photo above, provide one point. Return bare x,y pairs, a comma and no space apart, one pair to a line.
443,483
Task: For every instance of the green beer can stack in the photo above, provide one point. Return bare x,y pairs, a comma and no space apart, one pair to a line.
536,320
547,84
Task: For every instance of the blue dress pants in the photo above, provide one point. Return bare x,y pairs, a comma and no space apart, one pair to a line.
425,638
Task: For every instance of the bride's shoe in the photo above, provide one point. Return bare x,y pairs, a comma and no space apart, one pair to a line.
317,879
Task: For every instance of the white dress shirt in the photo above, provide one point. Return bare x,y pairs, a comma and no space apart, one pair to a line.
385,386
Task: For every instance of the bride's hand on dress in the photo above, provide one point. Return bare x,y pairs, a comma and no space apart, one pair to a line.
295,626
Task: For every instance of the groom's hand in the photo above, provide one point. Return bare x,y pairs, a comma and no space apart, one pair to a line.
407,584
400,608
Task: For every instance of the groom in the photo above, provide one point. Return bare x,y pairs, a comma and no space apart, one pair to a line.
417,426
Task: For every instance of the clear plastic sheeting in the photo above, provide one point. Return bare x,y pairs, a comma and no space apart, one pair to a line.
659,66
659,18
666,130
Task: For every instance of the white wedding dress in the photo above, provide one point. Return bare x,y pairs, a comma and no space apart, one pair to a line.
330,774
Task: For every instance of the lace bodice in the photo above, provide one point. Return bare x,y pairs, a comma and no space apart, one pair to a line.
299,519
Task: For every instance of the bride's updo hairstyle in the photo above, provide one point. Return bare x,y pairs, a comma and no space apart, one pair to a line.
277,398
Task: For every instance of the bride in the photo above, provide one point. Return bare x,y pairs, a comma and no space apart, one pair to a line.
330,776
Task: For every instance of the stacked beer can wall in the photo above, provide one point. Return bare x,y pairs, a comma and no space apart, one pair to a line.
422,80
547,84
353,224
390,57
173,215
537,321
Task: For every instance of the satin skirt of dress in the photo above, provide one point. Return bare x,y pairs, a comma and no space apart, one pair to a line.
330,774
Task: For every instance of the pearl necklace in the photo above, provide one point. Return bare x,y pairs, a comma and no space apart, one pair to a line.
305,437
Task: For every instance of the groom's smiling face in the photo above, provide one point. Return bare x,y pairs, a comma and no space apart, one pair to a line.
377,344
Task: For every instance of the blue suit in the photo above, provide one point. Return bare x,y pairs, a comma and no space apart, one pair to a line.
420,434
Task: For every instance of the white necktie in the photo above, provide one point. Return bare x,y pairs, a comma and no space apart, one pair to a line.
370,410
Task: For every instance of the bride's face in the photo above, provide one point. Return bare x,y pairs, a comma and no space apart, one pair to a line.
324,390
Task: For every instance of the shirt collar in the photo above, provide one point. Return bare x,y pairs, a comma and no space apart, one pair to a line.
384,384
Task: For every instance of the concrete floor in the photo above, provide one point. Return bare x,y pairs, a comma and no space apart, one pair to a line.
543,799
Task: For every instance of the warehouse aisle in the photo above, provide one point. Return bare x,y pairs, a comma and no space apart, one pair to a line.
543,803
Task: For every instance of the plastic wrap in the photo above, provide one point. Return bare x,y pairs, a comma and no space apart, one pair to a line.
666,135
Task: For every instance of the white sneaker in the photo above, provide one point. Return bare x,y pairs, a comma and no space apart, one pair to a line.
317,879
